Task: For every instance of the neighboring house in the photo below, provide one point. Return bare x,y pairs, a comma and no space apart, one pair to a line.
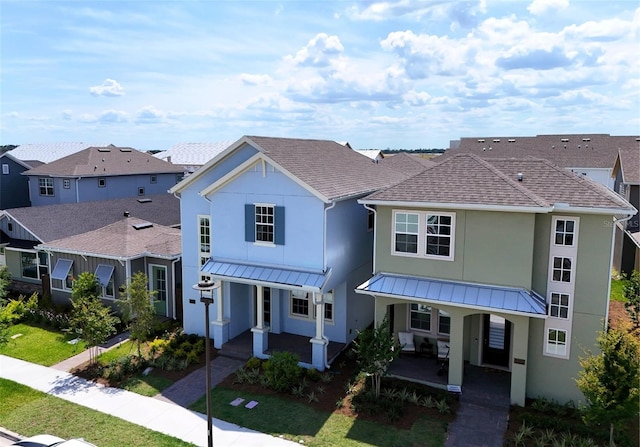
276,221
190,156
100,173
507,260
591,155
23,229
115,253
49,152
410,164
374,154
14,187
626,172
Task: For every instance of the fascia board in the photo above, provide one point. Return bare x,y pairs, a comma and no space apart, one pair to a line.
605,211
180,186
459,206
437,303
16,160
258,157
66,251
23,226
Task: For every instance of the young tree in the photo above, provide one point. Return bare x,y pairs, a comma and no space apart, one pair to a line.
632,295
610,381
376,348
137,309
88,316
5,280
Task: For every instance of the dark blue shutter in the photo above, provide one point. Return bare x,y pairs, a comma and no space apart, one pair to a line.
279,224
250,223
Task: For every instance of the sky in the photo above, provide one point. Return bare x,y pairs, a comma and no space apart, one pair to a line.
397,74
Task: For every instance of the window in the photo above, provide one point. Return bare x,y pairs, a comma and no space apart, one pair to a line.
559,306
420,317
425,234
10,226
104,274
66,183
46,186
328,306
62,274
153,179
565,232
266,306
69,280
371,220
141,191
102,182
29,265
299,304
444,322
5,168
438,235
406,232
43,263
264,223
561,269
204,235
557,342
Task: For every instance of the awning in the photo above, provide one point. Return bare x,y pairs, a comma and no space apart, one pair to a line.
103,273
61,270
266,276
453,293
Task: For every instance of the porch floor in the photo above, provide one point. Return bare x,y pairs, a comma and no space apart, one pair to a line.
242,346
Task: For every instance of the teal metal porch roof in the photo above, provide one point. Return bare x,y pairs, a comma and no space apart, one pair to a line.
268,276
454,293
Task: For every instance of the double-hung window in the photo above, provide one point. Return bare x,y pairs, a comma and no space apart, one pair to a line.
444,322
556,342
424,233
46,186
204,241
420,317
299,304
439,235
406,232
264,224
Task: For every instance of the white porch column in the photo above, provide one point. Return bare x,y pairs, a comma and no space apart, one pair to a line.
260,333
456,351
319,342
519,359
220,325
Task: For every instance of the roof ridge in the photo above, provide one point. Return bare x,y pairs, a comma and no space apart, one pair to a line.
517,185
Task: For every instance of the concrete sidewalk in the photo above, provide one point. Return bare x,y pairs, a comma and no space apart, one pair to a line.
82,358
155,414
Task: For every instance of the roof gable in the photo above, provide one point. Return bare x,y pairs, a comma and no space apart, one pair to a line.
105,161
628,162
48,152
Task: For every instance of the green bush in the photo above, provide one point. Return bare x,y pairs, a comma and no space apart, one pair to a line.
313,374
253,363
282,371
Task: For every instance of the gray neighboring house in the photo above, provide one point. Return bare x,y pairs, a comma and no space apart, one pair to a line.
23,229
14,187
100,173
626,172
116,252
590,155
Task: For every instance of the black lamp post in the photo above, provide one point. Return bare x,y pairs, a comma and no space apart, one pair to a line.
207,286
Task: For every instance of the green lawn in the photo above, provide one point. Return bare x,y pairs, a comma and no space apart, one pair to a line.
40,345
30,412
617,293
299,422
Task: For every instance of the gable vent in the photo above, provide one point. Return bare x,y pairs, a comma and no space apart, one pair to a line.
142,225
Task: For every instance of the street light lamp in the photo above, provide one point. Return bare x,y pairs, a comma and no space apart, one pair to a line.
207,286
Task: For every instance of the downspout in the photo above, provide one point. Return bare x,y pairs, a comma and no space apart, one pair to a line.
375,227
613,241
173,275
78,189
324,238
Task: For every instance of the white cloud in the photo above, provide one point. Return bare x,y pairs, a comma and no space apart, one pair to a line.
249,79
149,114
66,114
539,7
113,116
108,88
319,52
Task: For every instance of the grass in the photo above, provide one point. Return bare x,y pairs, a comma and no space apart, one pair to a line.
273,415
40,345
146,385
30,412
122,350
617,290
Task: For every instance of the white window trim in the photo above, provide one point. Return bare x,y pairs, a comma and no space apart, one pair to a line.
46,180
255,225
422,234
571,271
37,264
569,305
166,283
547,344
5,168
576,223
414,329
447,334
309,315
203,254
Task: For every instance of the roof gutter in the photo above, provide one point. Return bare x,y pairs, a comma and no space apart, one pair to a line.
461,206
50,249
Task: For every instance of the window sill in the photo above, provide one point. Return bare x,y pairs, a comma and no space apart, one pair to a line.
418,256
264,244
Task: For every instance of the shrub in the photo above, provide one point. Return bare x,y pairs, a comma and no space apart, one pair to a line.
282,371
253,363
313,374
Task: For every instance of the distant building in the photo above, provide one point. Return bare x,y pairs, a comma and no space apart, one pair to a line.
14,187
190,156
48,152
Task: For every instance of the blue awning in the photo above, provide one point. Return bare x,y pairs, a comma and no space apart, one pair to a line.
61,270
103,273
266,276
485,297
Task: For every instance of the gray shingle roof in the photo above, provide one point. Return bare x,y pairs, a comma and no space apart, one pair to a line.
406,163
105,161
330,168
122,239
466,179
566,151
629,162
51,222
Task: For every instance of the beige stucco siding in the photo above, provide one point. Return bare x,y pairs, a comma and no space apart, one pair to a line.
490,247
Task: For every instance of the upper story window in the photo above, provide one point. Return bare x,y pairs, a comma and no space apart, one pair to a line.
66,183
204,232
5,168
141,191
565,231
561,269
426,234
264,224
559,305
102,182
153,179
46,186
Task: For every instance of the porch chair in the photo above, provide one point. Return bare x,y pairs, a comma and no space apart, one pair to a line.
443,356
406,342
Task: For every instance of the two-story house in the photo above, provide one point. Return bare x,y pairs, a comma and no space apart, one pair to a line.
276,222
626,173
14,187
507,260
100,173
